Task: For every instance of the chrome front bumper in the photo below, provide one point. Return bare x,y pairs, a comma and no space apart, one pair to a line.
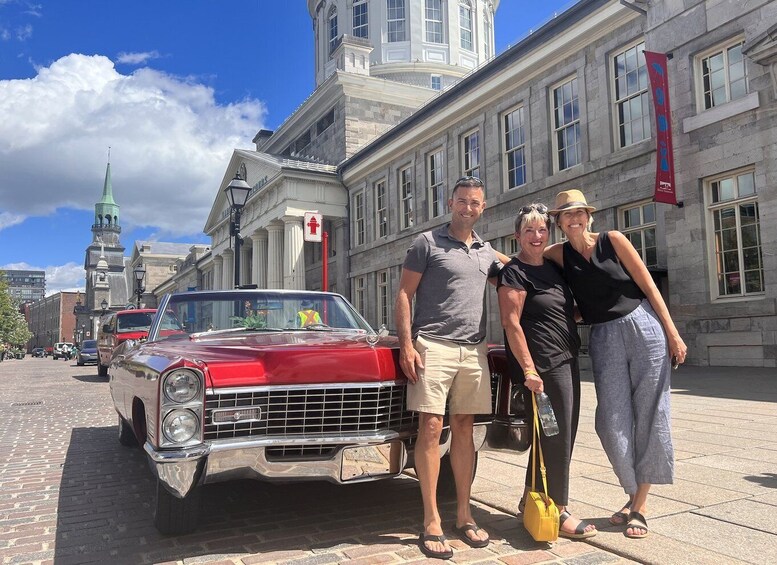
358,458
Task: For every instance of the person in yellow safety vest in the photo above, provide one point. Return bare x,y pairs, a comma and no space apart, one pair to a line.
307,316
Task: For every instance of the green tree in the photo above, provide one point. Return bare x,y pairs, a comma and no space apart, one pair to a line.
13,326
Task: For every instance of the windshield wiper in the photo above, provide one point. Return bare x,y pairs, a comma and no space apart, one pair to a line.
232,330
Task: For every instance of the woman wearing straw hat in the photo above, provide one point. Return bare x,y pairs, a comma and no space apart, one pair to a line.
633,345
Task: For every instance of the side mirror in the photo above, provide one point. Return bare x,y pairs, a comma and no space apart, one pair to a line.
383,330
107,329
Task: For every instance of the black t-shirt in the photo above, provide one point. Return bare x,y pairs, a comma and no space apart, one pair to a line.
547,318
603,288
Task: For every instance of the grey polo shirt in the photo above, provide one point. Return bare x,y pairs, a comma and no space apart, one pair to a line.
450,299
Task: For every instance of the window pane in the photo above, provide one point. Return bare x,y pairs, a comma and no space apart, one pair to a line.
727,190
754,281
649,213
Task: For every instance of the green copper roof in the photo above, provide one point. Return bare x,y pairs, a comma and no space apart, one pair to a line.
107,189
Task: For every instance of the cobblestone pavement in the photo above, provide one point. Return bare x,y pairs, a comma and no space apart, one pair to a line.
69,493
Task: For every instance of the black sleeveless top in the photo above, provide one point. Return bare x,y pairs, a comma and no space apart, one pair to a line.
603,288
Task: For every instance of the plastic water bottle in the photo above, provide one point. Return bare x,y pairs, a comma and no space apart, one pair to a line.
546,415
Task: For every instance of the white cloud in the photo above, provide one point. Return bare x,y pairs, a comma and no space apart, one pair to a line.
170,142
137,58
69,276
7,220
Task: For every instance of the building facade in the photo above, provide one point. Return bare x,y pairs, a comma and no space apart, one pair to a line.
52,319
25,286
566,107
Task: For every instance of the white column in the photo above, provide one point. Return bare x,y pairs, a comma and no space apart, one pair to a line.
218,269
275,255
293,258
228,272
259,276
246,265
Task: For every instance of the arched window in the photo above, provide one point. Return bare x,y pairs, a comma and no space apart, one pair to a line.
332,29
100,219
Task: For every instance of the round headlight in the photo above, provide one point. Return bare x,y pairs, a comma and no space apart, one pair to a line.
182,386
180,426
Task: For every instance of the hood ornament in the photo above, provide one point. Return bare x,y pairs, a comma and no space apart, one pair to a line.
374,338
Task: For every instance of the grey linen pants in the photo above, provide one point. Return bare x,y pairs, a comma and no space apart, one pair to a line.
632,370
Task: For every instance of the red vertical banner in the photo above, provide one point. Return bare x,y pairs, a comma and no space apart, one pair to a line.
665,190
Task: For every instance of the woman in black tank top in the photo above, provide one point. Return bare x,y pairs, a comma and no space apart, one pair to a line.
630,355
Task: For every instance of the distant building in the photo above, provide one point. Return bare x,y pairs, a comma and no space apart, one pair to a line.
52,320
25,286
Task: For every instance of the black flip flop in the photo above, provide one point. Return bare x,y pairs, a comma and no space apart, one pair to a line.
462,533
422,538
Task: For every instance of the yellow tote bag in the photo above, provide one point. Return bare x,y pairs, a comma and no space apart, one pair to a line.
540,517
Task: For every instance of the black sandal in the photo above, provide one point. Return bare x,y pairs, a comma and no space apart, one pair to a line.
579,533
636,522
621,517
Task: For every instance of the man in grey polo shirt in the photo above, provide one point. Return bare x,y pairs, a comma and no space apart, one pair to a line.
444,354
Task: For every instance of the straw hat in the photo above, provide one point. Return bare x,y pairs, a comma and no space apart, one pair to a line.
569,200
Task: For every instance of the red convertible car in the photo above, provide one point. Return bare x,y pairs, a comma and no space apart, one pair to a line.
231,384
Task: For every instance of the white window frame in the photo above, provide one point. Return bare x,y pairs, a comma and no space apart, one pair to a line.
332,30
359,219
512,248
435,82
383,295
470,153
466,26
572,124
640,228
406,197
633,85
487,50
722,49
360,294
435,181
396,26
736,202
434,21
514,143
360,19
380,191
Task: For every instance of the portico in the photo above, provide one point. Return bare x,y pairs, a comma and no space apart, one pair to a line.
283,189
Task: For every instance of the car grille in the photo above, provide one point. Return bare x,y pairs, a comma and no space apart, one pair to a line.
312,411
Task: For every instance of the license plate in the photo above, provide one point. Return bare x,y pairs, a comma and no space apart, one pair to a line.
372,461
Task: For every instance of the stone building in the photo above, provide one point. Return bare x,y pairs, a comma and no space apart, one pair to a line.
104,263
566,107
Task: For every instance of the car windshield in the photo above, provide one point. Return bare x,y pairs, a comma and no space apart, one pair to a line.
89,344
205,313
134,321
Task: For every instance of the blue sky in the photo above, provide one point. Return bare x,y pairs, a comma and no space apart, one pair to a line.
172,87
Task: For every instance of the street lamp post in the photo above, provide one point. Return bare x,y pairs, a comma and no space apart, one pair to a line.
237,194
104,306
140,272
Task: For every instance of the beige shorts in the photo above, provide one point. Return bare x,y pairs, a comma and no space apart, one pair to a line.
453,372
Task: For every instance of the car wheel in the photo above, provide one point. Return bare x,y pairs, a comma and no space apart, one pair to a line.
79,363
446,484
126,434
102,370
173,515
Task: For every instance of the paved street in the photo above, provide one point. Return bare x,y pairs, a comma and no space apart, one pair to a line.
69,493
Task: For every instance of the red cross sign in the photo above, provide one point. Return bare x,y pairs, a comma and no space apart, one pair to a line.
313,226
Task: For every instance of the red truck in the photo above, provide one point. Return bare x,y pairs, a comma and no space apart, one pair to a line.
118,327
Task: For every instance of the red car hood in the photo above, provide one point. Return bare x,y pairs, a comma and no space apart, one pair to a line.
313,357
